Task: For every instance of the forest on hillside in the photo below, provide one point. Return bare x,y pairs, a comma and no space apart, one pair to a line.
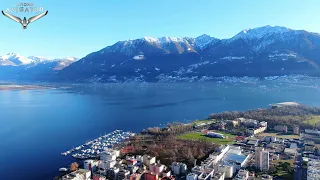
288,115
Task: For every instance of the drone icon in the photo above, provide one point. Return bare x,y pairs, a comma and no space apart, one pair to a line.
25,22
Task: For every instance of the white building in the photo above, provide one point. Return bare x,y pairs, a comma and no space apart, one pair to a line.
262,159
196,170
218,176
227,170
87,164
156,168
270,139
215,135
81,174
107,164
175,168
91,164
313,172
256,130
139,158
296,130
123,174
147,160
108,156
263,123
206,175
248,122
166,173
183,168
178,168
116,152
192,176
218,156
112,173
242,175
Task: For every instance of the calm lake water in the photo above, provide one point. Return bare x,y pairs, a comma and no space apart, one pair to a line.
37,125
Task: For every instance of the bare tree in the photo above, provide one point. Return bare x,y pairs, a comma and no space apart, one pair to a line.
74,166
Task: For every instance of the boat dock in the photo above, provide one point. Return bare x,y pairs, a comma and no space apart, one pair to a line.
93,148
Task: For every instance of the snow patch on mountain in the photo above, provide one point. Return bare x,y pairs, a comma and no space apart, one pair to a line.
203,41
13,59
138,57
39,59
194,66
232,58
282,56
16,59
71,58
260,32
262,45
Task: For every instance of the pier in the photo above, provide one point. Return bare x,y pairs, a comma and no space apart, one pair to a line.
93,148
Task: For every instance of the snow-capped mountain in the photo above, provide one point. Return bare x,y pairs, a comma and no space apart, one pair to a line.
12,59
258,52
261,32
63,63
39,59
203,40
263,51
149,45
17,66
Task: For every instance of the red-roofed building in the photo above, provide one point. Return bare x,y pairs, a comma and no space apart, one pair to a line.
98,177
239,138
127,150
131,162
168,178
135,176
150,176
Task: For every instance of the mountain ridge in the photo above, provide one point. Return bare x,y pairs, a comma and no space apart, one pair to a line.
16,66
262,51
258,52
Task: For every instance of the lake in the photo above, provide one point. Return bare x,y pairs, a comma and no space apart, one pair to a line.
37,125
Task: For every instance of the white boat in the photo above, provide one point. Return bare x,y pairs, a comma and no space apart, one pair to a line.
63,169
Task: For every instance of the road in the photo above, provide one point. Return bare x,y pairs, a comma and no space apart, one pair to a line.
298,164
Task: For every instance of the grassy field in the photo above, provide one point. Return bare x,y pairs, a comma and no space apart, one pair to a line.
290,161
201,136
312,120
290,136
284,173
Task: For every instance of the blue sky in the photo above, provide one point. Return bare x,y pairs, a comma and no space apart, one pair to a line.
77,28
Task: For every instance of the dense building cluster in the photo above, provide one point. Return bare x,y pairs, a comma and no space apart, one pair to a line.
260,154
112,166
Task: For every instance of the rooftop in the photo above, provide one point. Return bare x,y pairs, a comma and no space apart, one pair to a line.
293,146
234,158
75,173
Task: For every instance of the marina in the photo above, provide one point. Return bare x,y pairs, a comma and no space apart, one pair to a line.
93,148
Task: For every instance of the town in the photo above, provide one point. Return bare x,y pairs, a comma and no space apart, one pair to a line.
212,149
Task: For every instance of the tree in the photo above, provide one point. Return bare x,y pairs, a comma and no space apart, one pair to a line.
74,166
286,166
189,156
272,169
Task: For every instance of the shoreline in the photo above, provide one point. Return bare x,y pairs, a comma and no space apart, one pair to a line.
4,87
